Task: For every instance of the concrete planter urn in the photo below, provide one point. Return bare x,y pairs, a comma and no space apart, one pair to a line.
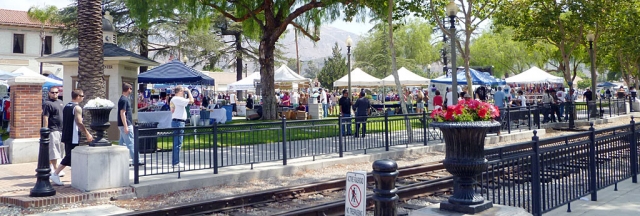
100,123
465,159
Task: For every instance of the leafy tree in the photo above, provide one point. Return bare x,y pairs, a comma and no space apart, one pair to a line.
507,56
46,16
265,20
334,68
619,43
312,70
584,83
414,52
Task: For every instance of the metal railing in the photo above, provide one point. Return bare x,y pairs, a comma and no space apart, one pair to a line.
218,145
541,175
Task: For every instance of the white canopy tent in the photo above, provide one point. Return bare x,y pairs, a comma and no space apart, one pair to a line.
535,75
407,78
48,81
359,79
245,84
285,74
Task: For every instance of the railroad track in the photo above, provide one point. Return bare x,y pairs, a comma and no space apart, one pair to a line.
233,203
413,182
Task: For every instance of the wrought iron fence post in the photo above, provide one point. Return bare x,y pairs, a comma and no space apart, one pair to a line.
609,107
536,188
215,146
424,128
588,111
634,152
592,164
341,129
601,110
537,119
385,173
136,155
508,119
284,140
529,112
386,131
43,186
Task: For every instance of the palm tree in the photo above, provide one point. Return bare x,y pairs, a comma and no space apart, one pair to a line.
47,15
90,53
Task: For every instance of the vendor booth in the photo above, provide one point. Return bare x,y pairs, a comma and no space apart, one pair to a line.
477,77
534,75
407,78
358,79
170,75
246,84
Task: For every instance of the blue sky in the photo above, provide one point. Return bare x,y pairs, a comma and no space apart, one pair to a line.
24,5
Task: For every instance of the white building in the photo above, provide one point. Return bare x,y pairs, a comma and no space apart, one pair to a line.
20,43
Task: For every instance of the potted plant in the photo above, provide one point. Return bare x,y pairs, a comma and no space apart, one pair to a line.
464,127
99,109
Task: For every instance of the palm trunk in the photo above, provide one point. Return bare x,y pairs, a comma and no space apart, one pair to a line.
267,59
394,70
238,37
90,53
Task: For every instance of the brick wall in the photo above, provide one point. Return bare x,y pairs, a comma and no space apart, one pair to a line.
26,111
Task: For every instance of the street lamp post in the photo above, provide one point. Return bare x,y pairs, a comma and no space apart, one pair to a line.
452,11
349,42
429,71
185,59
591,37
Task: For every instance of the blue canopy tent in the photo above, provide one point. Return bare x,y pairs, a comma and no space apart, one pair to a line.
54,77
175,72
606,84
478,78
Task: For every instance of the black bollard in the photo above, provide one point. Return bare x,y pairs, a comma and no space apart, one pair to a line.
43,186
385,173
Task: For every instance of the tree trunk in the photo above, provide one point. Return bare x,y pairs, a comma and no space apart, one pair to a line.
267,59
144,52
90,53
239,61
394,70
467,59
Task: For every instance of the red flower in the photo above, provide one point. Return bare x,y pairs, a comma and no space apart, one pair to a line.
482,112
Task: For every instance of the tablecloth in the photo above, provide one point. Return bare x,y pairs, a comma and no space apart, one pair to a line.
162,117
219,114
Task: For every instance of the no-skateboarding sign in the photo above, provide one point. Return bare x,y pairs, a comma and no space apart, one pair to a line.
356,194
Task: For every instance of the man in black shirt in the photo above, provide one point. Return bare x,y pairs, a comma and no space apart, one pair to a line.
588,95
52,117
345,111
125,120
481,93
362,110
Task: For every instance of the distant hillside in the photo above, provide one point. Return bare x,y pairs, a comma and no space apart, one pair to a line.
318,50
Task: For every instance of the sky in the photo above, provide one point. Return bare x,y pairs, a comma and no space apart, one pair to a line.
24,5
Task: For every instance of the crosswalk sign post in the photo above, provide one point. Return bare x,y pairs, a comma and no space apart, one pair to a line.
356,194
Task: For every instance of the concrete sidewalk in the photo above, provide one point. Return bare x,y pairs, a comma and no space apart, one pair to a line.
625,201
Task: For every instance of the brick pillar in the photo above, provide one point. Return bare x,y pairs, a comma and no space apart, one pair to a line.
25,121
26,111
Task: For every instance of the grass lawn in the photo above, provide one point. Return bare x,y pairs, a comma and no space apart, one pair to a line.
245,133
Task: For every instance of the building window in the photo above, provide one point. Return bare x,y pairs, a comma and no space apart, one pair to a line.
18,43
48,45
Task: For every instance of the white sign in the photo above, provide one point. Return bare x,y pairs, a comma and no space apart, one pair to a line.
356,194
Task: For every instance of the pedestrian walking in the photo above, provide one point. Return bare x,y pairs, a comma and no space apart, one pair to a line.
345,112
362,109
125,122
52,117
71,127
178,120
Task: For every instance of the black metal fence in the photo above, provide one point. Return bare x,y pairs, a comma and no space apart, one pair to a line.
216,146
541,175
